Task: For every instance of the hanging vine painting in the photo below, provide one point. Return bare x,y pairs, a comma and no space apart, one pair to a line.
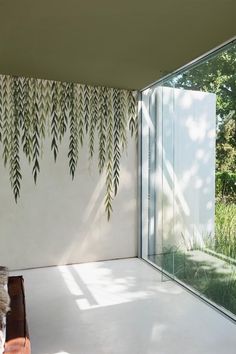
28,106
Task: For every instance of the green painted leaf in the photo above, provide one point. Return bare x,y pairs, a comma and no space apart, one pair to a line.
30,108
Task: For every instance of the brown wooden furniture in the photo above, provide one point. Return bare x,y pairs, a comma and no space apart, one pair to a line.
17,334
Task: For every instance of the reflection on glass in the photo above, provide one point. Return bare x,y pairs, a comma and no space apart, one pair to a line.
189,177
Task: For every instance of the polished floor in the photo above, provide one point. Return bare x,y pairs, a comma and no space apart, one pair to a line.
119,307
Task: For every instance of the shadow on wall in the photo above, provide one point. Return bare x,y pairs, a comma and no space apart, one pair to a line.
61,221
182,123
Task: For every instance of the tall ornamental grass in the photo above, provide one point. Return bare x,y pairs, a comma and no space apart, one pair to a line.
225,235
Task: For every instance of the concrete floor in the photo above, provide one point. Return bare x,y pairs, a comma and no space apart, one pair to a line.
119,306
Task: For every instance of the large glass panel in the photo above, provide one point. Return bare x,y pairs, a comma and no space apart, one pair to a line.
189,177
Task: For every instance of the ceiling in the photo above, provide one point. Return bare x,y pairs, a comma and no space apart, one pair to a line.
117,43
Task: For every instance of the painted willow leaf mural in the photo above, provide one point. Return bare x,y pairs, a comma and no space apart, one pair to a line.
30,109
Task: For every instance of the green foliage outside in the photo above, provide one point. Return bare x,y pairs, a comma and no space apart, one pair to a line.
226,187
225,241
218,75
218,285
225,214
212,273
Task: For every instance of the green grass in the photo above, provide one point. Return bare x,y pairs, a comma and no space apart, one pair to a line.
215,282
217,285
225,232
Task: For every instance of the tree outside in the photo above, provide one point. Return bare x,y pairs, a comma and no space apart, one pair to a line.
218,75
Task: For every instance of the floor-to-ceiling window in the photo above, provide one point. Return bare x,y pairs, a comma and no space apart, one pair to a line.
188,183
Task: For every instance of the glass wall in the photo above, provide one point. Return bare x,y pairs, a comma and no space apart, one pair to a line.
188,167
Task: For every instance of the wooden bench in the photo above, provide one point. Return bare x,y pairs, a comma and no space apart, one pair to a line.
17,334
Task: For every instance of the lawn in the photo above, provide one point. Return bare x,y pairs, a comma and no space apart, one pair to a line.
212,277
210,270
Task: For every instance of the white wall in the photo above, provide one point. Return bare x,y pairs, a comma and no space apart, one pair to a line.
59,221
188,166
178,173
